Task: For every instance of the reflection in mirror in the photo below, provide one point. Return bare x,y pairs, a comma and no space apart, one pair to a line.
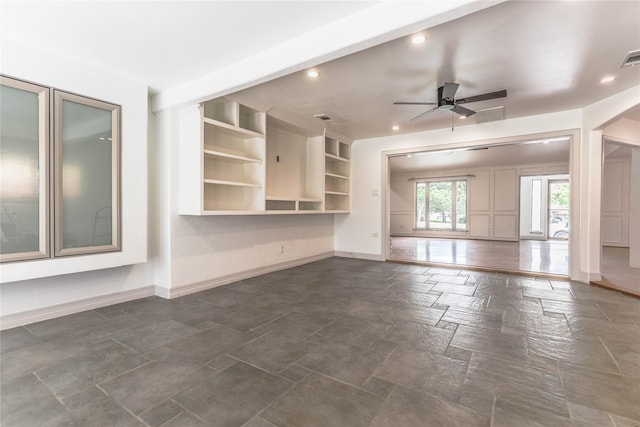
23,170
87,175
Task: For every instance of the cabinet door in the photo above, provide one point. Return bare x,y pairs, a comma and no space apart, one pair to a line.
87,175
24,166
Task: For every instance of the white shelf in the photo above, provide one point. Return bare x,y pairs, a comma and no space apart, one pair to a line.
233,183
230,156
336,192
231,128
336,175
331,156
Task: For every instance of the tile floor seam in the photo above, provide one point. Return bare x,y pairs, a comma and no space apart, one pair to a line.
130,348
273,401
185,410
615,362
358,387
603,312
274,373
55,396
117,402
266,323
564,390
380,364
493,411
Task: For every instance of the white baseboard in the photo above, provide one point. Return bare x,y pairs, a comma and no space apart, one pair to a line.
360,255
224,280
45,313
31,316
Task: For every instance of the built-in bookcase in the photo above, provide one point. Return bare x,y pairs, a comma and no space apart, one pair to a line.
234,160
226,167
337,171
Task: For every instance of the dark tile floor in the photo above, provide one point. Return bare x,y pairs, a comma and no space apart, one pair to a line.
339,342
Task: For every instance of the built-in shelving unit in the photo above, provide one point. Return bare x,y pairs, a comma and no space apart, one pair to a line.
236,160
294,169
227,167
337,171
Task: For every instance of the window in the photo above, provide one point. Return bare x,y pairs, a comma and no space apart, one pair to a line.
441,205
75,157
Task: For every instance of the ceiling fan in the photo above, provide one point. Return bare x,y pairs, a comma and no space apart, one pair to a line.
447,101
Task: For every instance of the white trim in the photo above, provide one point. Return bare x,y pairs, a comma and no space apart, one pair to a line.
224,280
360,255
59,310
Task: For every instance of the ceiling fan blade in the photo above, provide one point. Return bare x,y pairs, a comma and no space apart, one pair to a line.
463,111
422,114
449,90
484,97
414,103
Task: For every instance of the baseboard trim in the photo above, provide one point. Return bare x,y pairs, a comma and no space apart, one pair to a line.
225,280
359,255
31,316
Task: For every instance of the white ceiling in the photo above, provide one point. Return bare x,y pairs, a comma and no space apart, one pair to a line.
548,55
164,43
553,151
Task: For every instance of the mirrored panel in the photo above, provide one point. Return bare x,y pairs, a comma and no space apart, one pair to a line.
24,195
86,175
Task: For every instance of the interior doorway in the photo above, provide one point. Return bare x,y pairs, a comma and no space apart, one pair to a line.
620,216
488,234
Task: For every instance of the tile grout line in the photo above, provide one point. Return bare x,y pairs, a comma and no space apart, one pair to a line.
615,362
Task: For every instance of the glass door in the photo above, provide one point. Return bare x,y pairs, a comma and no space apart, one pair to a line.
558,209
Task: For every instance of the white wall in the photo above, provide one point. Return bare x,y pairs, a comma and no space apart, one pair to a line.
39,286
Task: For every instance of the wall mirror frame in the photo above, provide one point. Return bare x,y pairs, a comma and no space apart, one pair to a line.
24,164
86,141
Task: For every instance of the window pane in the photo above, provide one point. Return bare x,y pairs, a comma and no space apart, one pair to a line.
22,187
421,191
440,197
461,205
86,179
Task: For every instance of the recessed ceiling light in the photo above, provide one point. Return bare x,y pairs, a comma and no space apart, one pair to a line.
463,117
607,79
396,127
418,39
313,73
